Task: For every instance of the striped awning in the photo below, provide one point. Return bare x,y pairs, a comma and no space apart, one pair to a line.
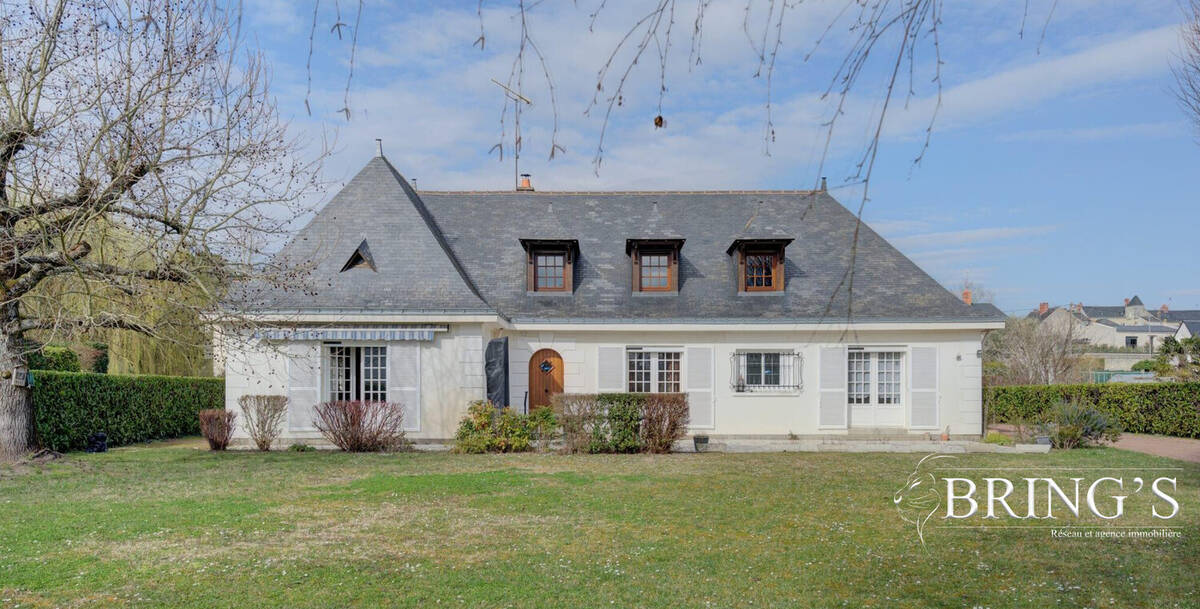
375,333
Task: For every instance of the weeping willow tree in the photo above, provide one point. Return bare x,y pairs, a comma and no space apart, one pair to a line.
184,351
142,162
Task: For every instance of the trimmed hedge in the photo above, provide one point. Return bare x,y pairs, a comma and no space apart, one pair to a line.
70,406
1171,409
62,359
613,422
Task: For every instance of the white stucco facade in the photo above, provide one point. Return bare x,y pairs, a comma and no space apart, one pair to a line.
936,372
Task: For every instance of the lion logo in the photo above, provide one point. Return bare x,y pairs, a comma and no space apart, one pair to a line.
919,498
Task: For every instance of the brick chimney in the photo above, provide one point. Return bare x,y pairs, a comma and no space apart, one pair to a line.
967,295
1126,302
1043,308
1163,309
525,185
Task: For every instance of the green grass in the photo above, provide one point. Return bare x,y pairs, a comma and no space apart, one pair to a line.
172,526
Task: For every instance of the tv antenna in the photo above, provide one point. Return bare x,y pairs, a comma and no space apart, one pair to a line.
517,100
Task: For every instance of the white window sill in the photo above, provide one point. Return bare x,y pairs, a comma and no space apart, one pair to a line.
767,393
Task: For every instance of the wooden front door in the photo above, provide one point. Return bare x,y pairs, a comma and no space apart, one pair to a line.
545,377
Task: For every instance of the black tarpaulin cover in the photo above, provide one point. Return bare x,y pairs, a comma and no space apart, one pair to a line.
495,367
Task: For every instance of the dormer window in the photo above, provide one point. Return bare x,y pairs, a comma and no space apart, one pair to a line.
759,264
549,271
550,264
655,264
361,258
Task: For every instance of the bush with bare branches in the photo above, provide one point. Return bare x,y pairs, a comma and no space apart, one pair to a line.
217,426
362,426
262,418
579,415
664,421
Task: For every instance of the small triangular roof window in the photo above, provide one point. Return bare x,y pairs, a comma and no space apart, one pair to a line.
360,258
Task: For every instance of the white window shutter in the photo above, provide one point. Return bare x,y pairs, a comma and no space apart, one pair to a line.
610,369
923,374
832,403
404,381
304,383
700,388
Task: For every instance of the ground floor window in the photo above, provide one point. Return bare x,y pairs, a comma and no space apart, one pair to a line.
765,371
653,371
355,373
874,377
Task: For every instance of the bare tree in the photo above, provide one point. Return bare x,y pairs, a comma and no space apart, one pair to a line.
142,162
1187,68
1030,353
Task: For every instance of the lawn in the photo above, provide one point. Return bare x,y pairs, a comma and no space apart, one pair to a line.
173,526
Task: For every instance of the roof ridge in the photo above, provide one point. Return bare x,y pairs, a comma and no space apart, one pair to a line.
624,192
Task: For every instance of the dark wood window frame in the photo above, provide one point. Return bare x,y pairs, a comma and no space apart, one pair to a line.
536,250
638,249
759,277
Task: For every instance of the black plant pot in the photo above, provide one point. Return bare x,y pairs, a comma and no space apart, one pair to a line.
700,443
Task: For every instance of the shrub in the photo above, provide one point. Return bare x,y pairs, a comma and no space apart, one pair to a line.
486,428
1076,423
70,406
543,428
578,415
262,418
300,447
217,427
1171,409
995,437
61,359
1146,365
621,429
621,422
361,426
99,357
664,421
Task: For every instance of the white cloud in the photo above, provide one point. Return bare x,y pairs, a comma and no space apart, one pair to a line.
972,236
1156,130
1134,57
426,91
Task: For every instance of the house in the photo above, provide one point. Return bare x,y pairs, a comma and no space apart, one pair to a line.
743,300
1188,329
1129,326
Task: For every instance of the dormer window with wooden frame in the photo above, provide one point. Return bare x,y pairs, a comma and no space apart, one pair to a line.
655,264
550,264
759,264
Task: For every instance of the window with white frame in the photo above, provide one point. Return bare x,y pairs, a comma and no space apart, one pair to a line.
653,371
356,373
761,371
874,377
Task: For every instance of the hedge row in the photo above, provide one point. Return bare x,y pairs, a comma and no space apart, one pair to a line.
1171,409
70,406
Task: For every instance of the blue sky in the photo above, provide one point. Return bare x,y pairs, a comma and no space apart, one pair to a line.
1060,168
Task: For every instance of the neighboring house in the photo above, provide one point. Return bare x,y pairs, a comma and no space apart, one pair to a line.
1188,329
1130,325
741,299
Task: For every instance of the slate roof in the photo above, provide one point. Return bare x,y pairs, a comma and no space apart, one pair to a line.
1135,328
1192,325
1181,315
1135,301
1093,311
440,251
414,271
